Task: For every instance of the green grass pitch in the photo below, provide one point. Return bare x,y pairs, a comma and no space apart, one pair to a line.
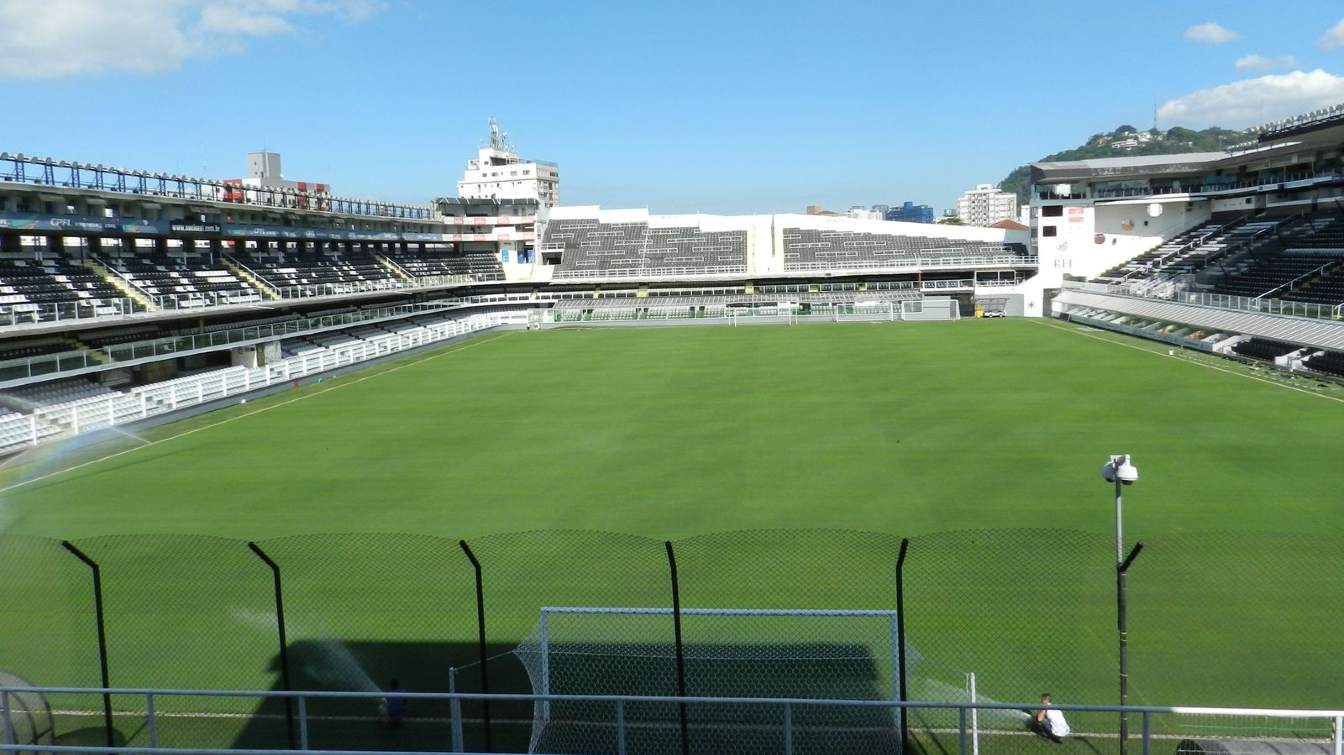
980,440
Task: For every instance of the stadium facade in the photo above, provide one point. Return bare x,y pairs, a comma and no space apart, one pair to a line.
115,282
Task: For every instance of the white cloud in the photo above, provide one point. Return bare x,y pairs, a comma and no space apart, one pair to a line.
1251,102
47,39
1210,33
1333,38
1255,62
225,19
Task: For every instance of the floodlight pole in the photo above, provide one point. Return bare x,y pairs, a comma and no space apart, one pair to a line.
901,680
284,643
102,635
1120,471
681,656
1121,570
1119,523
480,641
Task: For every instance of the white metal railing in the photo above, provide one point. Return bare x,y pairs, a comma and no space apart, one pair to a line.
1211,188
25,313
772,310
958,723
1282,307
1290,285
109,410
52,365
651,272
943,285
314,290
918,263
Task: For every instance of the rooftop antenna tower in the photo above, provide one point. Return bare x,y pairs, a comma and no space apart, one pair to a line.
499,139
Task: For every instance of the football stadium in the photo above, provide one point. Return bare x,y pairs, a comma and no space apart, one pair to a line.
283,470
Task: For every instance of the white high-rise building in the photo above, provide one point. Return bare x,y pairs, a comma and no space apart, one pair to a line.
499,173
985,205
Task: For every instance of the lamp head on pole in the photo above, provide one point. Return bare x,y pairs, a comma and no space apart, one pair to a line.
1119,467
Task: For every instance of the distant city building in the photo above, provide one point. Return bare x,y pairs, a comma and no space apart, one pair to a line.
862,213
499,173
986,205
910,212
263,172
882,209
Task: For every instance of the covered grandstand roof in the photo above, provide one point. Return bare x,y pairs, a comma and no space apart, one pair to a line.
1103,166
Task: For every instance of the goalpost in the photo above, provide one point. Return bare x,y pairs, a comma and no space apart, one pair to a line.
939,308
727,652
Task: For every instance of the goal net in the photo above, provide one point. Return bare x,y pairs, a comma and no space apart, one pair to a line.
742,653
937,308
868,311
1250,732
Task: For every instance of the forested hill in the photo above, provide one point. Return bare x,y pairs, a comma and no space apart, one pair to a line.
1128,140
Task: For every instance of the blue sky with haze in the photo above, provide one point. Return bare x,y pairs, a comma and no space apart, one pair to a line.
716,107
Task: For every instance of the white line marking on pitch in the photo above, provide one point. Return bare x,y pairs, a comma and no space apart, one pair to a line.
1234,373
185,433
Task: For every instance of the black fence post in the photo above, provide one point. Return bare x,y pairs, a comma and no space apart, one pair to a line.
1121,606
284,644
902,692
480,640
102,636
681,655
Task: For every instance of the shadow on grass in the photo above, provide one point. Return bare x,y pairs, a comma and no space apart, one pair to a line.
780,670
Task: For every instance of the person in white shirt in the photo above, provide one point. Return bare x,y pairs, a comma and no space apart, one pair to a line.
1050,721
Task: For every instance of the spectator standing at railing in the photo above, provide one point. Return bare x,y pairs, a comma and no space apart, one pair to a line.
392,708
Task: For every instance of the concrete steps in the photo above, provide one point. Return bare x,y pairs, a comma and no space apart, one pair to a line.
240,270
394,268
121,284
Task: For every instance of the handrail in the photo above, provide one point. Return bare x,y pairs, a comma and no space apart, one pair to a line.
124,181
729,700
1290,284
1198,241
116,408
208,339
122,277
247,270
1279,307
1207,188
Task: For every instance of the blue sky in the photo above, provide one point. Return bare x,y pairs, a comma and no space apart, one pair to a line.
716,107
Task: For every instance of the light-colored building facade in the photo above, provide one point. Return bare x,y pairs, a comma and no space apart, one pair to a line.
986,205
858,212
499,173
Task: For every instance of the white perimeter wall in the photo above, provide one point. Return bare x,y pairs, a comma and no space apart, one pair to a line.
1094,238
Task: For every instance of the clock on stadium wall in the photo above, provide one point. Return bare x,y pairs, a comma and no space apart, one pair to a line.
1100,238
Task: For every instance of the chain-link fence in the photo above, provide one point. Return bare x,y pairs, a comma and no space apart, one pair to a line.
805,614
